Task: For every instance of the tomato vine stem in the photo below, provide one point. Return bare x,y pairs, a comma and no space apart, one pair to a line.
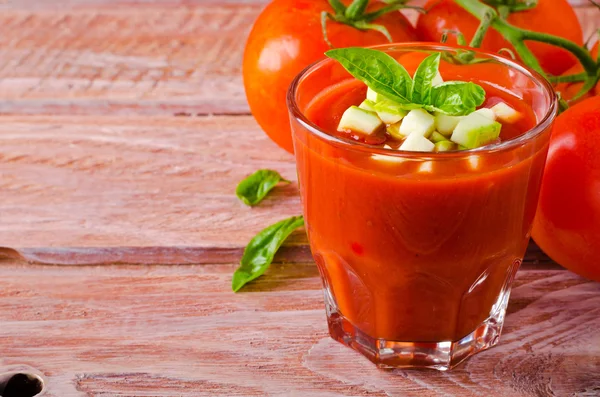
516,36
571,78
355,15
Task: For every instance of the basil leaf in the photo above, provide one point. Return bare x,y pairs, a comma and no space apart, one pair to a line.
456,98
255,188
423,79
377,70
260,251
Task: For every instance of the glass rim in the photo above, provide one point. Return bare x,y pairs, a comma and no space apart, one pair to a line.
527,136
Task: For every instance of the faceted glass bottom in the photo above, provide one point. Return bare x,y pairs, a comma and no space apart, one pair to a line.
442,355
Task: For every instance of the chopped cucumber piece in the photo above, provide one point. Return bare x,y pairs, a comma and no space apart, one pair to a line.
367,105
418,122
389,112
437,80
475,130
437,137
444,146
359,120
373,96
506,113
417,143
394,131
446,124
489,113
461,147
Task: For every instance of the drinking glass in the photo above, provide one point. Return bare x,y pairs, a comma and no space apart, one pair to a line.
418,251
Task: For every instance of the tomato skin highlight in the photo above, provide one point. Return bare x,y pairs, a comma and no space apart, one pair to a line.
555,17
567,223
286,38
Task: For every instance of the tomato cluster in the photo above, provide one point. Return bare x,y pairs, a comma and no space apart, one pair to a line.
289,35
286,38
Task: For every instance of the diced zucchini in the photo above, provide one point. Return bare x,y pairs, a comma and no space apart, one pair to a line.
475,130
437,80
444,146
394,131
389,112
367,105
359,120
417,143
445,124
489,113
505,113
437,137
418,122
373,96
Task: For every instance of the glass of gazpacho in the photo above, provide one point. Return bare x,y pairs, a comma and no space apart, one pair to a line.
419,185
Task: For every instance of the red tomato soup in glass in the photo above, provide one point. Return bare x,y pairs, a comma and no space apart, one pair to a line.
417,251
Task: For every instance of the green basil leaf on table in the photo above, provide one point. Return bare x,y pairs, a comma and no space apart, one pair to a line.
255,188
456,98
377,70
260,251
423,79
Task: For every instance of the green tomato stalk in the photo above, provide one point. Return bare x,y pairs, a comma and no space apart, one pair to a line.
489,17
355,15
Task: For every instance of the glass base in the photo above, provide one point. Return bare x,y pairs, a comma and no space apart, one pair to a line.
442,355
395,354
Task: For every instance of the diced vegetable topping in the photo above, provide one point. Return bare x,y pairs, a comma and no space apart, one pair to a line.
394,131
505,113
417,143
475,130
444,146
419,122
359,120
489,113
367,105
445,124
420,113
389,112
437,137
437,80
373,96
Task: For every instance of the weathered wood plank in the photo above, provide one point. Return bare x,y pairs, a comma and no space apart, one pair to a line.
141,190
72,182
57,4
154,59
123,57
179,331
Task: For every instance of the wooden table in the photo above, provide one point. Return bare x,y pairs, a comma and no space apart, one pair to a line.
123,133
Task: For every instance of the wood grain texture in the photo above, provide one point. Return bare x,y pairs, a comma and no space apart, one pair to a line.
102,58
179,331
72,182
141,190
124,57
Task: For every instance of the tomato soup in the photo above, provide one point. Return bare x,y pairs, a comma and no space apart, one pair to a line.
416,247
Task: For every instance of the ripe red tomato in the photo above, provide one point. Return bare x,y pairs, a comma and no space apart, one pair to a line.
567,223
555,17
285,39
569,90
